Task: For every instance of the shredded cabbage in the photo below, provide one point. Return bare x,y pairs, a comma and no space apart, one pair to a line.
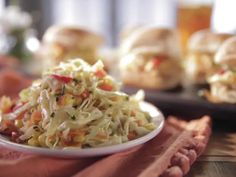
78,105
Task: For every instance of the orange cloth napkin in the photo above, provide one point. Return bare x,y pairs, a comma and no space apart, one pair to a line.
12,82
170,154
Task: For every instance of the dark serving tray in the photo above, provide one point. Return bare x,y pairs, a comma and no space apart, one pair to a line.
185,102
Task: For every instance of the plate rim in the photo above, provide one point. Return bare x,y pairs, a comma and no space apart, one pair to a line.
90,152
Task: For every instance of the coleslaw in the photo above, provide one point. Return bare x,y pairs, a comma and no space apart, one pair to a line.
74,105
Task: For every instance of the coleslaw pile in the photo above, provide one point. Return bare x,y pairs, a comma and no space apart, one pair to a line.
74,105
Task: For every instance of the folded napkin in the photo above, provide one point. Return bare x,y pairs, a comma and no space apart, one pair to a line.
170,154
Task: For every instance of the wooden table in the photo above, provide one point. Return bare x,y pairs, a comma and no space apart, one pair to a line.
219,159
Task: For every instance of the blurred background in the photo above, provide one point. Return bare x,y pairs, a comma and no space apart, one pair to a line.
110,17
107,17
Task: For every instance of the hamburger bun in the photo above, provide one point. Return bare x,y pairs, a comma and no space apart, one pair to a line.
147,52
162,39
127,31
72,36
227,53
61,43
206,41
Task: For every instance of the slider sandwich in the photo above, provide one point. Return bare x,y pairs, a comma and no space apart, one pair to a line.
150,59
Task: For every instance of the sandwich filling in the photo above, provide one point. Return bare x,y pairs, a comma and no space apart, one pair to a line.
199,66
223,86
161,65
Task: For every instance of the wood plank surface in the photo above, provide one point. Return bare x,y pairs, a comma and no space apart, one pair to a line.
213,169
219,159
223,144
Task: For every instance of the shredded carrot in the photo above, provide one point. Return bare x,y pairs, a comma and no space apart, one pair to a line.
74,133
61,100
139,122
85,94
132,113
7,123
71,135
106,87
21,116
36,117
100,73
132,135
51,137
101,135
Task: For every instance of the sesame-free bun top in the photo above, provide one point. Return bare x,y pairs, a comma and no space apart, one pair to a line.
72,36
206,41
147,52
164,40
227,53
127,31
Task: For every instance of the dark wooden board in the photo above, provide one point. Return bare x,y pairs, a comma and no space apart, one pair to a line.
213,169
186,102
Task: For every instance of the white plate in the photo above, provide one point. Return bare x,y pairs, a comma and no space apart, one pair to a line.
157,119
